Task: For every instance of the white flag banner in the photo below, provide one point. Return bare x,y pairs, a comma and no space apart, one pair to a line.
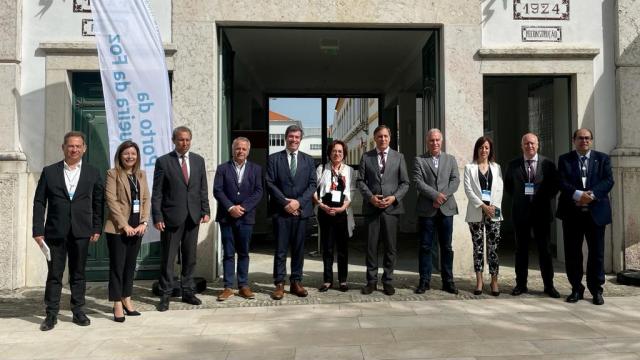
135,82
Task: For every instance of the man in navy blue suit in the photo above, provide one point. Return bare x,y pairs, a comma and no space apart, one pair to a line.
291,182
237,187
585,182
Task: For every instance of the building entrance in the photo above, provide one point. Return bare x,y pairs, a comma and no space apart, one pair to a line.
360,78
514,106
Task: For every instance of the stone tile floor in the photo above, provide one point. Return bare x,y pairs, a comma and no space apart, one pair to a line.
334,325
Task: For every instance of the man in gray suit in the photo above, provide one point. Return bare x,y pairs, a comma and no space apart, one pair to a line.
437,178
383,182
179,204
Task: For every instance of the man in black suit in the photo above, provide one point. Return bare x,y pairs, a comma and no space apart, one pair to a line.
291,182
532,182
179,204
383,181
71,195
585,182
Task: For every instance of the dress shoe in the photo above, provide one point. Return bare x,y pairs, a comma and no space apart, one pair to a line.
422,288
49,322
598,299
369,288
575,296
246,293
519,290
552,292
130,312
388,289
324,287
118,318
344,287
297,289
225,294
81,319
450,288
278,293
164,303
191,299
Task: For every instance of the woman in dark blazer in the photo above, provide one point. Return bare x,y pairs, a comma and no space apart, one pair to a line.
127,196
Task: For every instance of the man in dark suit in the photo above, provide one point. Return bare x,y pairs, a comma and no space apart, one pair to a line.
383,182
532,182
585,182
71,195
237,187
437,178
179,204
291,182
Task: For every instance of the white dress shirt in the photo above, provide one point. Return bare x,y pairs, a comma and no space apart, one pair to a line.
71,177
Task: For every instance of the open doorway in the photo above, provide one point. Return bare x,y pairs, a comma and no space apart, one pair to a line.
515,105
360,77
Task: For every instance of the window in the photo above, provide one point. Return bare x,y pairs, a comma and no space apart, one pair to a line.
315,146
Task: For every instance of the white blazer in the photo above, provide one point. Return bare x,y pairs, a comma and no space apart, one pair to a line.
474,192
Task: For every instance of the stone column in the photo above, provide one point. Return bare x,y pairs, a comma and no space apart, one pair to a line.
13,165
626,156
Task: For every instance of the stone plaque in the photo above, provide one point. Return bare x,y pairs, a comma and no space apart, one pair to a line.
81,5
87,27
541,33
541,9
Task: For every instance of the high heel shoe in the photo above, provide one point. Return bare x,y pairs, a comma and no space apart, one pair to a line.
130,312
494,292
116,318
477,292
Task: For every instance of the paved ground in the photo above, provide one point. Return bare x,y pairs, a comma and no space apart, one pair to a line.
335,325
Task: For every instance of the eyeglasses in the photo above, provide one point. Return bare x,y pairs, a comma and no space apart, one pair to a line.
586,138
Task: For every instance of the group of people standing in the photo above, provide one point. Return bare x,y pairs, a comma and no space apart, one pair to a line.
68,214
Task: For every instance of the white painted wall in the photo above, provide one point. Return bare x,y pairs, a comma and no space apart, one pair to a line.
55,22
591,24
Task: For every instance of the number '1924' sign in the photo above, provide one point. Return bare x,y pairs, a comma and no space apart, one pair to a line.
541,9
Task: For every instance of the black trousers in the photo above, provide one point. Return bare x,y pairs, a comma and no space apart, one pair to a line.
123,253
537,231
185,238
290,231
575,231
334,233
77,250
381,227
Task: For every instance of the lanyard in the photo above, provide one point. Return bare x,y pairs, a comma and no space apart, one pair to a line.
134,183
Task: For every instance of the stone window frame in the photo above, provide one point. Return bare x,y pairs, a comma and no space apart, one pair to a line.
61,61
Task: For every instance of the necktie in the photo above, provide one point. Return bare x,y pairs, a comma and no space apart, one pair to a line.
583,166
185,172
532,170
293,165
382,161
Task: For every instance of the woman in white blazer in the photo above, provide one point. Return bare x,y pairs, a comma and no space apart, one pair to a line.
484,186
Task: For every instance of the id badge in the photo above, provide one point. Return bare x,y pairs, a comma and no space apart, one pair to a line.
529,189
136,206
486,195
336,196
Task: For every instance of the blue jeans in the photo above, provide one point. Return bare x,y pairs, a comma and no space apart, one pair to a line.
235,239
440,227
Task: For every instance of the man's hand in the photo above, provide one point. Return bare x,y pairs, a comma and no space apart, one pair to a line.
94,237
436,204
585,199
441,199
376,200
204,219
292,206
159,225
236,211
39,240
388,201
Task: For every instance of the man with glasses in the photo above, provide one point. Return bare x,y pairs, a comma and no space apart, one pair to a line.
585,182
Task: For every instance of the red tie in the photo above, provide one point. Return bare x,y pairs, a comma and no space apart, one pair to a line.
185,173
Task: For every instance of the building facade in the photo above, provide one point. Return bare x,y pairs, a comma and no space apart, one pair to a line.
488,67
